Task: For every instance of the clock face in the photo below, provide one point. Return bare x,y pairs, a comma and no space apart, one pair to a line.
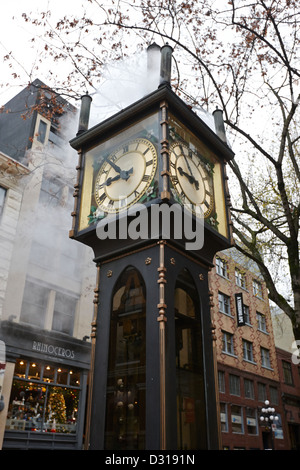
125,175
191,178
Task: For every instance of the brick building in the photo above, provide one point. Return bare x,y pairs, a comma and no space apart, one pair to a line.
246,356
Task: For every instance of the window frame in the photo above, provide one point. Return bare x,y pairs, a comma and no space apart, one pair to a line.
247,350
223,302
240,278
222,267
265,357
227,339
3,190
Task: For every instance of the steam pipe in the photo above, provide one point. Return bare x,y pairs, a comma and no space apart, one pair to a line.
84,113
165,64
219,124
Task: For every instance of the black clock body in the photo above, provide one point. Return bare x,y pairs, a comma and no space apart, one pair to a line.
152,383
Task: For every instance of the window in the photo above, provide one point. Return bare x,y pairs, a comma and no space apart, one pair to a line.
224,417
227,343
35,300
64,313
237,419
261,322
191,413
221,267
257,289
42,132
55,192
262,391
287,373
224,303
2,199
126,377
265,357
249,388
273,395
38,403
247,350
221,377
240,278
234,385
251,420
247,315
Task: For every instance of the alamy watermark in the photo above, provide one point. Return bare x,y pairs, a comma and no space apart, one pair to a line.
159,220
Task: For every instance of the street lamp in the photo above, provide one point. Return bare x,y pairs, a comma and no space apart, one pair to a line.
268,417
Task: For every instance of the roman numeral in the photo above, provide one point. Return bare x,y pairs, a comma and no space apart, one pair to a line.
149,162
146,178
147,150
102,197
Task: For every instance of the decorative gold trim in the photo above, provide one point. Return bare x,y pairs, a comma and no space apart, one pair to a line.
162,341
165,193
91,371
76,196
148,260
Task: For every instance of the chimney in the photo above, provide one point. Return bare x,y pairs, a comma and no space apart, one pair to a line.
84,113
165,65
219,124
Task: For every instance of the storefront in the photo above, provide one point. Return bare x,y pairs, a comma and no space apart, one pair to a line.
46,400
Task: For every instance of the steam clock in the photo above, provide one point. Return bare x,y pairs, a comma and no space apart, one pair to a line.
152,381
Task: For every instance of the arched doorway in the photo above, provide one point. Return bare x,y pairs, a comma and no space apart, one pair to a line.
191,403
126,378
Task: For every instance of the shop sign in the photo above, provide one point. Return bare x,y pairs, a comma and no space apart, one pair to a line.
239,309
52,350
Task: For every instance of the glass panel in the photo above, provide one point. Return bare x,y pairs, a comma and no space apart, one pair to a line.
62,376
40,408
61,410
2,198
42,132
64,312
48,374
75,378
26,407
20,368
34,371
34,304
122,150
125,407
191,422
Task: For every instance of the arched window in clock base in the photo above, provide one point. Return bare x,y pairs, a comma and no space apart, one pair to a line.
191,409
126,391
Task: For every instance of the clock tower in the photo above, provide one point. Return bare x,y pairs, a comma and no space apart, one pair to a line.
151,200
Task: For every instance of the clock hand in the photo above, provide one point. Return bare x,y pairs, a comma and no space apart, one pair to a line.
115,167
191,178
124,174
110,180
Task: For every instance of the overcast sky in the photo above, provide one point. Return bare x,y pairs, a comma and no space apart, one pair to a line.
16,34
